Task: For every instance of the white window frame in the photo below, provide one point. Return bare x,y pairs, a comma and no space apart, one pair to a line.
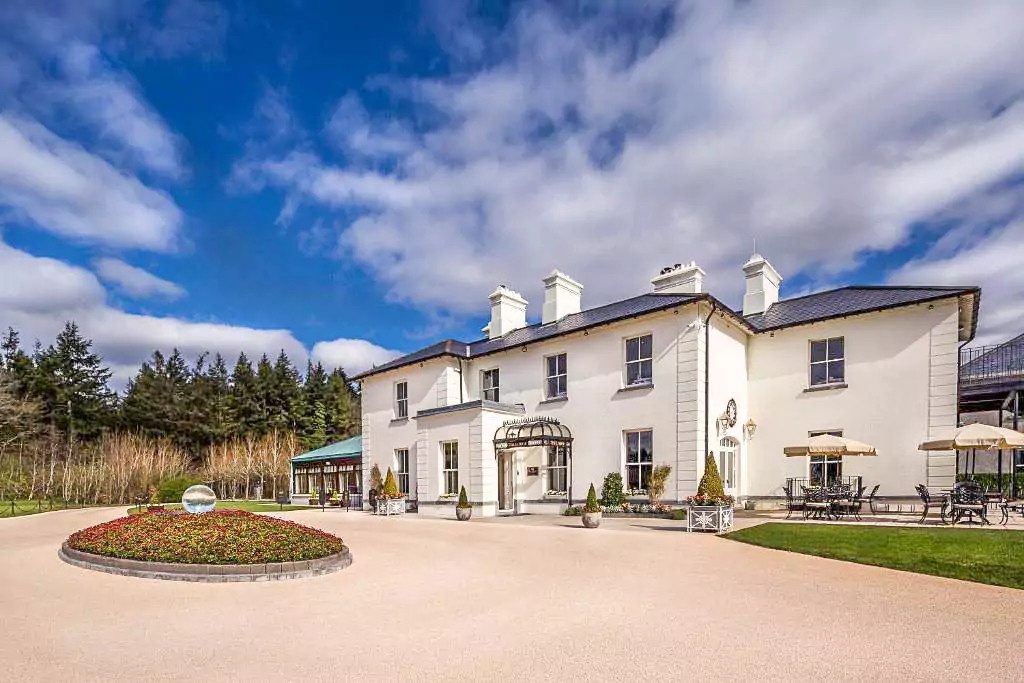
401,402
402,469
639,360
826,363
490,375
728,461
450,468
562,470
639,465
826,460
563,375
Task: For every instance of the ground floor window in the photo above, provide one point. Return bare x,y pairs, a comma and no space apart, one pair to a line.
402,469
450,465
557,470
826,470
332,477
639,459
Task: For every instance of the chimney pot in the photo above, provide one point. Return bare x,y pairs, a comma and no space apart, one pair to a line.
680,279
762,285
562,296
508,312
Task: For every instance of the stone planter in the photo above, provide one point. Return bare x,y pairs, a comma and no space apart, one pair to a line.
591,520
709,518
463,514
390,506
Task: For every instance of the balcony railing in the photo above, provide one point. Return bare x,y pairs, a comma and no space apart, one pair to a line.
981,364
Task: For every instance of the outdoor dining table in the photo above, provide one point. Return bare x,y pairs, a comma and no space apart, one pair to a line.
836,503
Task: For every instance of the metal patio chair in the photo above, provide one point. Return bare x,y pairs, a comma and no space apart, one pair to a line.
930,500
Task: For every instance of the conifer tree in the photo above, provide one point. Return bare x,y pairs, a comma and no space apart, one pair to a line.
246,411
71,385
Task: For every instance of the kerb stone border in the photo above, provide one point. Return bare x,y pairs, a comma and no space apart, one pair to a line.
206,573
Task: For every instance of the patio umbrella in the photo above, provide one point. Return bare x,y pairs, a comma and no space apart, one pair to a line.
974,436
969,437
827,444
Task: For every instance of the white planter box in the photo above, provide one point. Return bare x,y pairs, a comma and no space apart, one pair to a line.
390,506
708,518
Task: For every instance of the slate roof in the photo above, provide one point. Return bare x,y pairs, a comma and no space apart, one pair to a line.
836,303
349,448
576,322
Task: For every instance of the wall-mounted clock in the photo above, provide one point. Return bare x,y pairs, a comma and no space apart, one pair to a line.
730,412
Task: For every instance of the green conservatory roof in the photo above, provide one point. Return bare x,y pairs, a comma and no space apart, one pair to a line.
349,448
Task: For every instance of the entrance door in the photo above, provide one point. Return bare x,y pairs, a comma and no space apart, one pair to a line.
505,481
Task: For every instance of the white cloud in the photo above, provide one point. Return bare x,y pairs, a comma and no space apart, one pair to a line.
825,130
126,339
134,281
36,286
991,261
354,355
66,190
111,103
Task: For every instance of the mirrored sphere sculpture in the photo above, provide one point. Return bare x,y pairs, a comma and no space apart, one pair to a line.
199,498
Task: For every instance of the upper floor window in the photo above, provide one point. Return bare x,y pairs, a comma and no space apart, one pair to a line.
639,360
489,382
556,376
401,400
828,362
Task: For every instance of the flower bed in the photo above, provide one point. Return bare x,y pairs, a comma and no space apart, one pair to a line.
627,509
220,537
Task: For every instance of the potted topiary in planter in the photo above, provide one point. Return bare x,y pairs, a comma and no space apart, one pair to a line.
710,509
592,511
390,501
463,511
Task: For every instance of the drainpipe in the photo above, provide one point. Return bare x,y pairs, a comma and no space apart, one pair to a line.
707,375
460,378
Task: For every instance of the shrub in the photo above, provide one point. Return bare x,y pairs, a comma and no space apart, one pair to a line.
711,483
390,486
592,505
611,490
659,479
573,511
463,499
171,490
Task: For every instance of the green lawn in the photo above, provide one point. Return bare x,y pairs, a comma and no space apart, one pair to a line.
247,505
17,508
992,556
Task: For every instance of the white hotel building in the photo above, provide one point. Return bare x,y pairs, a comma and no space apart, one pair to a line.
665,377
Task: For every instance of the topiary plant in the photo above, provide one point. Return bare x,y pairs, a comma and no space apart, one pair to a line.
390,486
463,499
658,481
611,490
711,483
592,505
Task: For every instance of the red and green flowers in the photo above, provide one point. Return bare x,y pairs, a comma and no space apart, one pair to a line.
220,537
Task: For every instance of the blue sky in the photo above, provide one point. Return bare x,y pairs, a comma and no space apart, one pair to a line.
349,180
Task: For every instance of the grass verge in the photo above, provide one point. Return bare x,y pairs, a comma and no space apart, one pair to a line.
991,556
246,505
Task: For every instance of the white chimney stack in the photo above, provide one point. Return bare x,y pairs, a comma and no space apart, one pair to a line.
508,312
679,279
762,285
561,296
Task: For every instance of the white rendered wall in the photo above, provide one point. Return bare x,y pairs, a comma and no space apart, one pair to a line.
728,381
597,411
897,362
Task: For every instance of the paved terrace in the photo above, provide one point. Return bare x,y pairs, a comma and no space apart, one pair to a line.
525,599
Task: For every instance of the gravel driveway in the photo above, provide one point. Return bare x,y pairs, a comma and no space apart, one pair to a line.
537,599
